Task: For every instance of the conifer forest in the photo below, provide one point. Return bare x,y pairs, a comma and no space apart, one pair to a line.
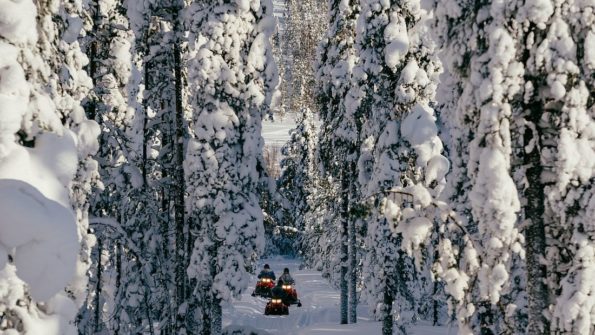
297,167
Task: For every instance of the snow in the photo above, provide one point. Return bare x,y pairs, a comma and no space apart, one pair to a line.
14,95
42,234
414,231
420,130
276,132
397,41
48,166
590,50
17,21
539,11
319,314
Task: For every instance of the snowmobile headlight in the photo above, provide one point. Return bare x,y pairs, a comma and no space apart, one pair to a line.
286,287
276,301
266,280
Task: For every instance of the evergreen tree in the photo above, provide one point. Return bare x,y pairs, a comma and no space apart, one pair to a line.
45,143
338,139
108,48
304,28
298,170
133,63
489,79
233,78
401,167
508,81
555,120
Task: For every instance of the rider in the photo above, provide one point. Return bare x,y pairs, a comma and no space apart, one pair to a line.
278,292
267,273
286,277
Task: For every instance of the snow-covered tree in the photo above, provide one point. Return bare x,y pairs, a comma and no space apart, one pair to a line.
400,165
136,61
70,86
107,105
485,77
233,82
338,141
555,118
298,170
45,170
519,70
304,28
318,243
125,211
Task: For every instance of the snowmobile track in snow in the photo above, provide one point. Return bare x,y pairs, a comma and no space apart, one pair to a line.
318,315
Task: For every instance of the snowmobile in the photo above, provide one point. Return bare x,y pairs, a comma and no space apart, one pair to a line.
291,297
263,287
276,306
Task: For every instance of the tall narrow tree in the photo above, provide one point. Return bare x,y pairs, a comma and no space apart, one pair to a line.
339,131
234,80
304,28
556,153
45,143
396,79
298,170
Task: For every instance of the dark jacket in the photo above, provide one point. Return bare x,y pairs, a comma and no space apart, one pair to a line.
278,292
286,278
267,274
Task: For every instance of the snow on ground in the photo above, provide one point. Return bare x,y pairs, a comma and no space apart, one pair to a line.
319,314
277,132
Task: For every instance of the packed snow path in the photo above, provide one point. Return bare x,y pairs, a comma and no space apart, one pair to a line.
319,314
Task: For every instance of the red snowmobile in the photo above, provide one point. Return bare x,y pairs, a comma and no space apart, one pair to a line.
263,288
276,306
291,297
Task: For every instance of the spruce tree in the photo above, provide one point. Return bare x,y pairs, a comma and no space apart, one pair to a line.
510,80
400,166
556,122
339,133
298,170
46,134
108,46
233,86
304,28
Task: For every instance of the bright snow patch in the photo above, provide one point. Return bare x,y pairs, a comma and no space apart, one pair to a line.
43,235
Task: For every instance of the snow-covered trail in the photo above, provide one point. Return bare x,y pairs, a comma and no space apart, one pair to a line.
319,314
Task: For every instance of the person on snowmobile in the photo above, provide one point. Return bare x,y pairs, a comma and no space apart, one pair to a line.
267,273
278,292
277,305
286,277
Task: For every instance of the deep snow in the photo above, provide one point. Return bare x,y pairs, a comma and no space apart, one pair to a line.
319,314
277,132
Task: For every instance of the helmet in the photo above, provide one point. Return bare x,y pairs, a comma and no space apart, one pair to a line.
286,270
266,266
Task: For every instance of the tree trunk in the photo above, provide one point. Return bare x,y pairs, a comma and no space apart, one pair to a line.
119,251
537,290
98,294
387,313
352,252
178,174
486,318
217,316
344,246
206,313
435,306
